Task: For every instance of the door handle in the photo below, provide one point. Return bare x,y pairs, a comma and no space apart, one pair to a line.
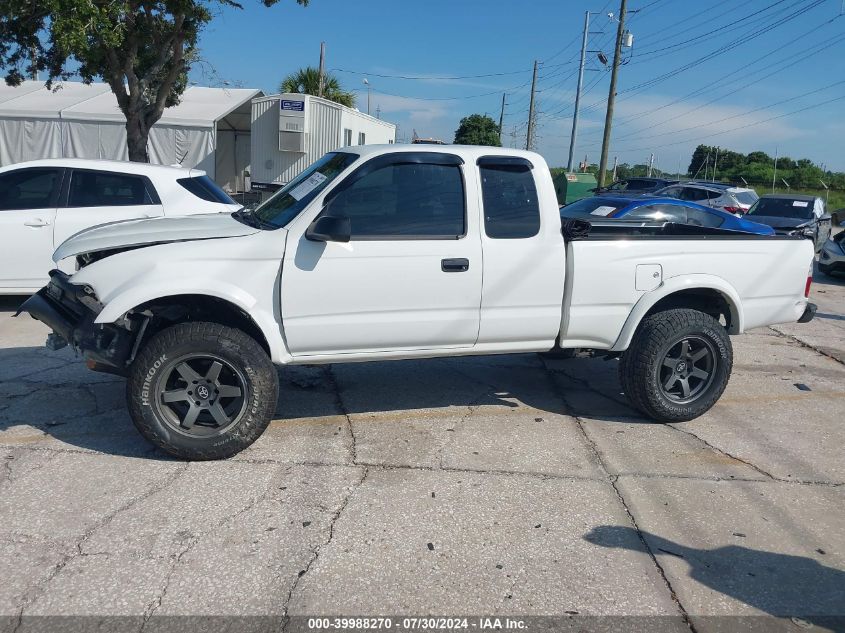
455,265
37,222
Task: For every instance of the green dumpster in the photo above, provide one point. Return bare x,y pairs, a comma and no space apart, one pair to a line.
571,187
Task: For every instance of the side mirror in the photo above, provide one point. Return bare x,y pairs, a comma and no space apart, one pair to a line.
329,228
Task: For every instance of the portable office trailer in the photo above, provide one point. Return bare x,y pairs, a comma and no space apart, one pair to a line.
291,131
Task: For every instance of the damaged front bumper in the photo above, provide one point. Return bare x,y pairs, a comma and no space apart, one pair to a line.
71,311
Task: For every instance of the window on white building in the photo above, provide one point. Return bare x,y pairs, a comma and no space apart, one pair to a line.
362,138
347,137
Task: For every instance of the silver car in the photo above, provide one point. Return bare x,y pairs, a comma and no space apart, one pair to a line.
832,257
736,200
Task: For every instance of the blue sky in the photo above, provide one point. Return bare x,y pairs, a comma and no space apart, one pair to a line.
720,72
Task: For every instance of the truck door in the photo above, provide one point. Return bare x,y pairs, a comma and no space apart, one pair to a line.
524,255
410,276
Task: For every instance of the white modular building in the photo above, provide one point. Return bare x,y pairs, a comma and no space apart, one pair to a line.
291,131
209,129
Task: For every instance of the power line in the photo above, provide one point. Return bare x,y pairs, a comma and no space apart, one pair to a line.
722,28
476,96
735,129
722,50
742,79
734,116
707,57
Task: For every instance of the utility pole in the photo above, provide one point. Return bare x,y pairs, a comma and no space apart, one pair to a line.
322,69
774,175
578,91
650,163
502,117
529,137
615,165
715,164
611,95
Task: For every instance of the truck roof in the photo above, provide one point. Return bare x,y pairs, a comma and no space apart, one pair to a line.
470,153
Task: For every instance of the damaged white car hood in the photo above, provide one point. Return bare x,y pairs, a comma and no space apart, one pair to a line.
131,233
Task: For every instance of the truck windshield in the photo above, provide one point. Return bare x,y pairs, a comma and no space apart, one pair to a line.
288,201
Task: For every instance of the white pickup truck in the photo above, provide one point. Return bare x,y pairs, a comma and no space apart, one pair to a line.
394,252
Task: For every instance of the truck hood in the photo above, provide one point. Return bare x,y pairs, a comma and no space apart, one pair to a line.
148,231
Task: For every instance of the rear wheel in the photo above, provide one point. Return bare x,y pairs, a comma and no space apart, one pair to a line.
677,366
202,391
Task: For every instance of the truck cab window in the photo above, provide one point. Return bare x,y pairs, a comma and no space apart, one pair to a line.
511,207
407,200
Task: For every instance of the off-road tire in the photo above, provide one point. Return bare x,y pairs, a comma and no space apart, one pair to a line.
640,366
232,346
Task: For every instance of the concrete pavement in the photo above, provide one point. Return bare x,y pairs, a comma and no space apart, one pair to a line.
501,485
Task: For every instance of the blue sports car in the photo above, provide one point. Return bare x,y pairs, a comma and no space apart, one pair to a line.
655,209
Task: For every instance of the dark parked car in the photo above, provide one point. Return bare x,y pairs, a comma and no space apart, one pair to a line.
635,186
793,214
652,209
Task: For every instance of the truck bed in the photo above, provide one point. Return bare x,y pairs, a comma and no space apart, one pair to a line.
618,271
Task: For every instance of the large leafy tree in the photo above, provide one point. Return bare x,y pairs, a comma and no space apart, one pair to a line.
478,129
142,48
307,81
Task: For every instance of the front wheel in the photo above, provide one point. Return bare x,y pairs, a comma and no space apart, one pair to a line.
202,391
677,366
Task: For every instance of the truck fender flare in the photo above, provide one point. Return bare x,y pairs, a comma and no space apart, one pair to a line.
119,305
673,285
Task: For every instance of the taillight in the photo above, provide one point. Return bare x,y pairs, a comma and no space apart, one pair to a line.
809,283
733,209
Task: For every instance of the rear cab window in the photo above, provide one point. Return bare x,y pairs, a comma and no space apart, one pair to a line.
509,195
206,189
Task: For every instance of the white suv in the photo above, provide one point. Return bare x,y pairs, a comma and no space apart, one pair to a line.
736,200
44,202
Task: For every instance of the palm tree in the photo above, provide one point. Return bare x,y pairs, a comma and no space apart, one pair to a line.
307,81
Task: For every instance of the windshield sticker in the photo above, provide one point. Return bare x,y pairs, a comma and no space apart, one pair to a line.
602,210
800,203
307,186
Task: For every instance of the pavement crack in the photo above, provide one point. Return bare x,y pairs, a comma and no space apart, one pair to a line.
315,553
818,350
612,480
331,378
154,605
718,450
41,588
651,555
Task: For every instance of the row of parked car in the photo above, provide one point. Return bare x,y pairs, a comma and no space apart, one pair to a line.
713,204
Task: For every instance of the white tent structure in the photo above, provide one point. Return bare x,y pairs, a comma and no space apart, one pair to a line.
209,129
